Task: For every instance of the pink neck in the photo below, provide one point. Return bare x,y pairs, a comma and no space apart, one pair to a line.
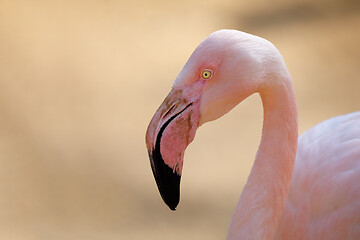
262,201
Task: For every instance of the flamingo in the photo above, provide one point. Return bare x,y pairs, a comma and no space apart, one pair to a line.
306,188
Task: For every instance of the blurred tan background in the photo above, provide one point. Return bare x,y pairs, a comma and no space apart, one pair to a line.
80,80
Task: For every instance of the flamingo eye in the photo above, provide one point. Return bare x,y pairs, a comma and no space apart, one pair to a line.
206,74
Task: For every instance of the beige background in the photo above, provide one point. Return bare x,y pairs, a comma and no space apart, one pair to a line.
80,80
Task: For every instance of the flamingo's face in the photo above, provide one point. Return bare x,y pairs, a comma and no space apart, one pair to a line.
218,75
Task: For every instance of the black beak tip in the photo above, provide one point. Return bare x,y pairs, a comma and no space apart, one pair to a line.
172,208
171,202
167,180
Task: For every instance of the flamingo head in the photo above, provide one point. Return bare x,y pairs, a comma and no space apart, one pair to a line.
222,71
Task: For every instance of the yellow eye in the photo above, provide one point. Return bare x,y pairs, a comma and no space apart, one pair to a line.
206,74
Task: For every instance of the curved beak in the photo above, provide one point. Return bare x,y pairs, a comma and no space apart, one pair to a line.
170,131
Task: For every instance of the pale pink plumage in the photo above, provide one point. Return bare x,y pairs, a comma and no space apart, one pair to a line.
319,198
324,197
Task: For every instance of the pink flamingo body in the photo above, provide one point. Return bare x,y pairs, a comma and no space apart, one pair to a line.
318,197
324,197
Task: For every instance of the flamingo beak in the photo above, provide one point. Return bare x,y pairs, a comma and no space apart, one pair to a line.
170,131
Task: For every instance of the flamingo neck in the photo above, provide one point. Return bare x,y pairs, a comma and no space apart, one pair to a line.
262,201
